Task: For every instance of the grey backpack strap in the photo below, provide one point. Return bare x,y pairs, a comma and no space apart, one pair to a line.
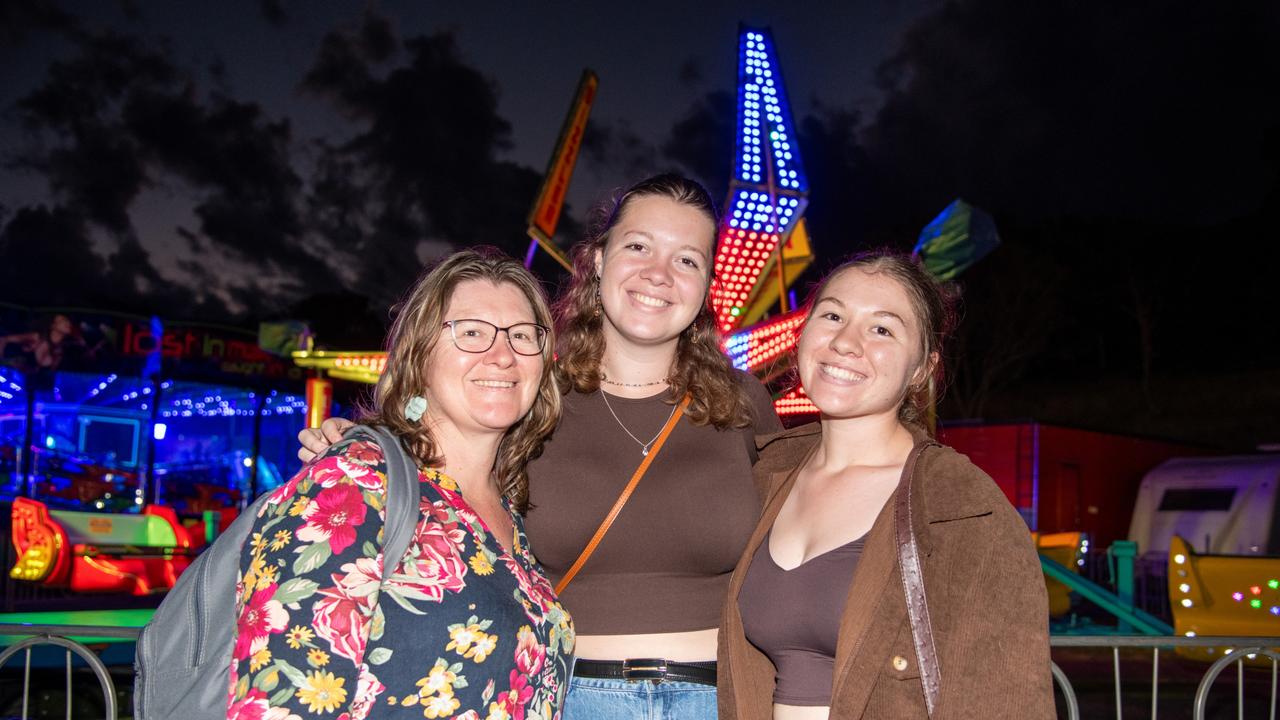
402,495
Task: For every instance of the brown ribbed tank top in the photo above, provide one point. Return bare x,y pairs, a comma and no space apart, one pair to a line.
793,617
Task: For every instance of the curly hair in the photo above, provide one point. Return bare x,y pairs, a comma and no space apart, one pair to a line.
419,325
934,303
701,369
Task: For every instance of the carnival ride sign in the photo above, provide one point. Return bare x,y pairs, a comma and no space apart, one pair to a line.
545,214
41,341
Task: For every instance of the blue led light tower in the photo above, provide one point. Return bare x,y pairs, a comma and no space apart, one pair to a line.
769,190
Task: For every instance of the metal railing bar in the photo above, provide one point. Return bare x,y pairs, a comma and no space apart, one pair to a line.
1068,692
1273,688
68,653
90,658
1115,655
26,683
1235,648
1210,675
127,633
1240,690
1155,681
1161,641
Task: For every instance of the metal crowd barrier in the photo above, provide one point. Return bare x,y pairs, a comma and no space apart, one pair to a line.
1241,648
62,636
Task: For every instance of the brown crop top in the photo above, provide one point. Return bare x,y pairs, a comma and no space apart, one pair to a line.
664,565
793,617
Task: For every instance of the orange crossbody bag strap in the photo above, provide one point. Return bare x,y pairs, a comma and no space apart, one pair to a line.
622,499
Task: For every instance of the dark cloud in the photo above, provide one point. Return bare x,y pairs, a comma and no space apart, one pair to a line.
842,194
1143,110
121,118
273,12
344,67
99,175
241,161
84,92
701,141
91,164
616,152
378,38
1112,143
130,9
421,172
19,19
691,72
49,260
344,315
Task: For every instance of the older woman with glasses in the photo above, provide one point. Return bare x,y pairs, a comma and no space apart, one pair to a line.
467,626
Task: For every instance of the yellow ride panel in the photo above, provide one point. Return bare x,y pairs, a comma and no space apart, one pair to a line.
1222,595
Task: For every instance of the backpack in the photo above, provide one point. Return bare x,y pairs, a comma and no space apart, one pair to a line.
183,661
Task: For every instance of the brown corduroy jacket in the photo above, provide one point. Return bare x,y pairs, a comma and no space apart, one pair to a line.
985,591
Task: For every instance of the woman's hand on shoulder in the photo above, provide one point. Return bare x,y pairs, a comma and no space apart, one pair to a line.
316,440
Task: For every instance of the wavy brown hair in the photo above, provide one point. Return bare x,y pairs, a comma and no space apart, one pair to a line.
934,304
701,369
419,325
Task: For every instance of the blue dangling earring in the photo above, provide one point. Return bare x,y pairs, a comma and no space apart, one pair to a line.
414,409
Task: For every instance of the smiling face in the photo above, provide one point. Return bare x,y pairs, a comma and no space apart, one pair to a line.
861,347
484,392
654,271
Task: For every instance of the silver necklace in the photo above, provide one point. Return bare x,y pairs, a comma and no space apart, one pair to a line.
605,379
644,446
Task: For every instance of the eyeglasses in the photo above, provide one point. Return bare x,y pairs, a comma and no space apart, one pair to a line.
477,336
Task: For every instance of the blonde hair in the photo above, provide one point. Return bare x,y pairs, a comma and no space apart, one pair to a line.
701,369
419,325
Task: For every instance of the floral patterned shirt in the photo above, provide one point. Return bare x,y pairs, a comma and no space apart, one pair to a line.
463,629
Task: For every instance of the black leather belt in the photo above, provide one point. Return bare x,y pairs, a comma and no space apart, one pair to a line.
654,669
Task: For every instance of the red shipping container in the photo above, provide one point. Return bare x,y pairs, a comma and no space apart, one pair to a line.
1064,479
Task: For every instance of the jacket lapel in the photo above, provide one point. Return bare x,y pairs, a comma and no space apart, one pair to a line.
780,484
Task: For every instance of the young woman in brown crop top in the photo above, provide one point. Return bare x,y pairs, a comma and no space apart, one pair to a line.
636,333
816,625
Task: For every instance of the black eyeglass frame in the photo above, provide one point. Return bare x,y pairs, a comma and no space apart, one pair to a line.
542,338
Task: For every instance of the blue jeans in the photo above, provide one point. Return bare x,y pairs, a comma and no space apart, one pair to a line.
610,699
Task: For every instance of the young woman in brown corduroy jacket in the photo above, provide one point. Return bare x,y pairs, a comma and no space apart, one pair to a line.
816,624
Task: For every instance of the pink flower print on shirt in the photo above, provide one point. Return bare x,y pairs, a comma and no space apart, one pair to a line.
367,690
340,470
253,706
438,567
342,619
283,493
334,515
515,699
362,577
364,452
530,654
260,617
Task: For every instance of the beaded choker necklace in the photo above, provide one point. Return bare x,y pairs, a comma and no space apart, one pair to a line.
605,379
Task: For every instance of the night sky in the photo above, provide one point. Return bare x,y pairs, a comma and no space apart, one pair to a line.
241,161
